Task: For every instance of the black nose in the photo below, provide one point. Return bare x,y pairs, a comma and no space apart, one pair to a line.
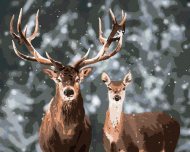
68,92
117,98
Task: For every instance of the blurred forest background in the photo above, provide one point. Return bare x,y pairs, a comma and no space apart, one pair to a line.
156,48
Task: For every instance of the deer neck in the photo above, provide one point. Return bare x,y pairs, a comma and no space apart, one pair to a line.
67,112
113,125
115,111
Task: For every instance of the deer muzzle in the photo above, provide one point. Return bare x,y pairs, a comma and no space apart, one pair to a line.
117,97
68,92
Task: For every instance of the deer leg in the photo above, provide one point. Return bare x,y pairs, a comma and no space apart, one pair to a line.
84,140
84,145
171,135
83,149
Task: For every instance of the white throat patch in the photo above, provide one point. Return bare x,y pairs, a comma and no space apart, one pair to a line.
115,110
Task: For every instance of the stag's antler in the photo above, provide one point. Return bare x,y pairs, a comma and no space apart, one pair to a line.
22,39
117,28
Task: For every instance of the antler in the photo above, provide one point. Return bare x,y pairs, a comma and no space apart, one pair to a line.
118,28
22,39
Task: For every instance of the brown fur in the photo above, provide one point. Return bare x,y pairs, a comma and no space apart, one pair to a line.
65,128
150,131
145,132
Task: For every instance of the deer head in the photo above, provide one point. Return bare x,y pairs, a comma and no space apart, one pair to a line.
116,89
68,81
68,78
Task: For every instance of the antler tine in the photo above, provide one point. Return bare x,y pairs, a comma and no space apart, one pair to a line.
22,56
11,24
13,34
36,29
56,64
28,44
113,17
22,36
82,59
122,23
27,41
116,28
117,49
101,38
19,20
100,56
86,55
122,13
25,30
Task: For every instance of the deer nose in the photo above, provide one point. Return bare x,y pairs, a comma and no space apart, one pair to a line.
117,97
69,92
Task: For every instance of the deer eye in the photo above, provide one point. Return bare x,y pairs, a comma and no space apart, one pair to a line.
58,79
77,79
123,88
109,88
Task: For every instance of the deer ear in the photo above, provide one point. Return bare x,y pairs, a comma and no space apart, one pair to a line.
51,73
85,72
128,78
105,78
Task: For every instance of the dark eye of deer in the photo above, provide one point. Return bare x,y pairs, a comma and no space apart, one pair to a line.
123,88
58,79
77,79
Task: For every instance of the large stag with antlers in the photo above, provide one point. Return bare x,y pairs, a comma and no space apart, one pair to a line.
65,126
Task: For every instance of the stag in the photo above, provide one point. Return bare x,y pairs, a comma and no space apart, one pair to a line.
143,132
65,126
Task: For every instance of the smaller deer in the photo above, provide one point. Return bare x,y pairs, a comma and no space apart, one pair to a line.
143,132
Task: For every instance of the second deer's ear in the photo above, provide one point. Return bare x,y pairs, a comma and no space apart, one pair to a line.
128,78
51,73
105,78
